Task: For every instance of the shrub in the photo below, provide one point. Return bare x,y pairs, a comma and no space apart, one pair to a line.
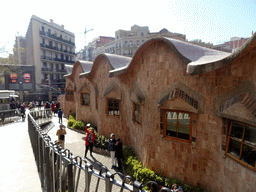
71,121
101,142
135,169
73,115
128,151
78,125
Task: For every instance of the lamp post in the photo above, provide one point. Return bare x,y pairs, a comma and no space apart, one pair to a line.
21,91
49,85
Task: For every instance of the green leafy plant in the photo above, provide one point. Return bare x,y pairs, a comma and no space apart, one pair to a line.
78,125
135,169
71,121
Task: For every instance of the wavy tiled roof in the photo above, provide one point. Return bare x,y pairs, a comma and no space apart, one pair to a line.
198,59
69,68
116,62
86,67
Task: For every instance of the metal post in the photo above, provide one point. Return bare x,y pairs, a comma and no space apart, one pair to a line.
48,169
136,186
87,177
70,177
42,160
108,183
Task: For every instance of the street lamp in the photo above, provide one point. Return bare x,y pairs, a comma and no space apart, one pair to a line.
49,85
21,91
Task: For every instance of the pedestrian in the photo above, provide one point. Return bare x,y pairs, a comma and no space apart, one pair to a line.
57,105
89,140
111,148
61,136
176,188
39,104
119,153
60,115
53,107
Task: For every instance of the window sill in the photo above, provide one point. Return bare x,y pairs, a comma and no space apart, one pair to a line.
241,162
137,124
113,115
176,139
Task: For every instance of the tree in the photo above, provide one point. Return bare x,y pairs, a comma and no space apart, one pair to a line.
22,55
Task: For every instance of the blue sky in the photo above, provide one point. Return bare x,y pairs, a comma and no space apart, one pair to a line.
211,21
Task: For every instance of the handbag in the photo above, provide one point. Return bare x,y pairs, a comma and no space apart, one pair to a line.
62,137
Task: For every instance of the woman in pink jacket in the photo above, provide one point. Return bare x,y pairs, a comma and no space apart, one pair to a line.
89,140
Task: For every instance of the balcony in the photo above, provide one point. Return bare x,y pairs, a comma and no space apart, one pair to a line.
42,33
62,60
49,70
57,59
53,81
56,49
46,57
61,70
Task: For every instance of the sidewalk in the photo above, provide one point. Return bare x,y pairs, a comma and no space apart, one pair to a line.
18,171
74,141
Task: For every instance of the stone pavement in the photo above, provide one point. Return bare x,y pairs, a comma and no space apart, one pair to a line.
74,141
18,171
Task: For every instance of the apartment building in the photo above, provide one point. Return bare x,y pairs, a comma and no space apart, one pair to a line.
126,42
232,45
93,48
49,48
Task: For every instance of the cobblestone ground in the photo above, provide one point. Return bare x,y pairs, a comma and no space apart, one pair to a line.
74,141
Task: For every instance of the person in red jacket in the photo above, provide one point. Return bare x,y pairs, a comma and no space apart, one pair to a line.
89,140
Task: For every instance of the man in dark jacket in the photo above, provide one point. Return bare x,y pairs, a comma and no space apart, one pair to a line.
60,115
119,153
111,148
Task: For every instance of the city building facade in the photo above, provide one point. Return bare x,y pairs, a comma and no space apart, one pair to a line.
232,45
89,52
187,111
126,42
49,48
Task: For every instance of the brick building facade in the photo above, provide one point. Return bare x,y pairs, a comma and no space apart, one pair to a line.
188,111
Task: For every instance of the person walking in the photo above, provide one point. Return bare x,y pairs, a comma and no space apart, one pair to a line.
61,136
39,104
111,148
119,154
57,105
89,140
60,115
53,107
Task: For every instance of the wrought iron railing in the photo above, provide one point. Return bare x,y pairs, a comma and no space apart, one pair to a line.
60,170
7,116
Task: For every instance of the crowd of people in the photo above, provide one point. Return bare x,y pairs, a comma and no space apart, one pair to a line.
54,105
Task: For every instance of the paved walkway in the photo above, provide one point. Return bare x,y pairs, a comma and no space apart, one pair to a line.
74,141
18,171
